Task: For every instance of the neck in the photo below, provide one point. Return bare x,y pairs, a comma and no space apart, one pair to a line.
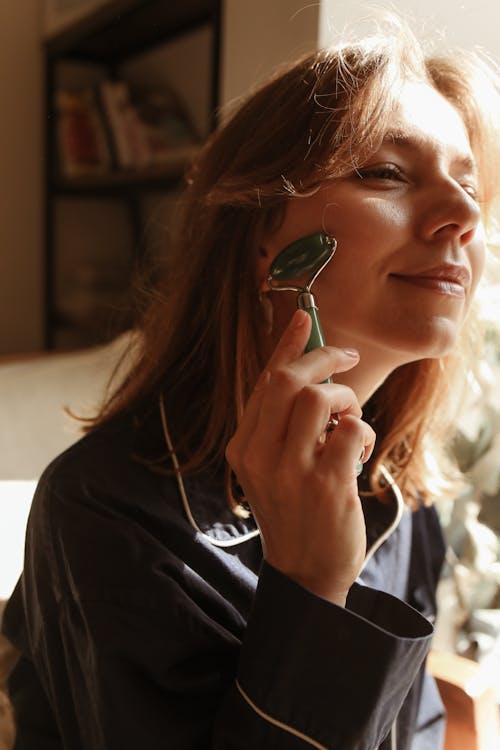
364,384
373,369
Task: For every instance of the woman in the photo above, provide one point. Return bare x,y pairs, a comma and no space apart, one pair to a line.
171,598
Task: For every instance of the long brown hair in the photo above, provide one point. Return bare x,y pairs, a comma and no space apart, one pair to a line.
199,337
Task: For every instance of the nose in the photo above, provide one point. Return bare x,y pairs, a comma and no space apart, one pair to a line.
451,214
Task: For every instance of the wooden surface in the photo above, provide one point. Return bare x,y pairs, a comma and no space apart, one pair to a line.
470,702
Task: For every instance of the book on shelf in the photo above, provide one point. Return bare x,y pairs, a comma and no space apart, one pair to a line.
109,126
82,143
165,123
126,133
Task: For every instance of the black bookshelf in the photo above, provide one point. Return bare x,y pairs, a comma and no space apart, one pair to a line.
109,36
125,28
128,182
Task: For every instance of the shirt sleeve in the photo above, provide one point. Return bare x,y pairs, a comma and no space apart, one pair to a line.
318,675
132,647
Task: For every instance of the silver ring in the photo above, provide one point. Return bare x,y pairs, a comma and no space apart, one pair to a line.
332,423
330,426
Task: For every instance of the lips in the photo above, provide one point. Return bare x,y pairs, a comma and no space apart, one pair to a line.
447,278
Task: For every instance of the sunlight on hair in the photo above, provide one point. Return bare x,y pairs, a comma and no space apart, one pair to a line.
437,485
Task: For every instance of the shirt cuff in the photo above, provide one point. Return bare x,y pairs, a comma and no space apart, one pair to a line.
335,675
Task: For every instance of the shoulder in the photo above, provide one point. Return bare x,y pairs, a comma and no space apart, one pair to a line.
98,502
105,467
101,516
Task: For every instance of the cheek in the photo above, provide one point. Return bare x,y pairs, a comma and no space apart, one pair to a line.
368,230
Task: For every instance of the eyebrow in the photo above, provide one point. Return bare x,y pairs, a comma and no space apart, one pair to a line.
401,138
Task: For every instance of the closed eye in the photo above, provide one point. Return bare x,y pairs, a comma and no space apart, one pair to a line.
380,172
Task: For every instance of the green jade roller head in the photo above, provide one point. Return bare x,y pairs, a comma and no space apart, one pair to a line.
303,259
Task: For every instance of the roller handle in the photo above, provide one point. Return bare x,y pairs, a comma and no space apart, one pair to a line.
307,302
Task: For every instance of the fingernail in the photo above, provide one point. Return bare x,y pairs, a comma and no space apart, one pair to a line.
351,353
299,318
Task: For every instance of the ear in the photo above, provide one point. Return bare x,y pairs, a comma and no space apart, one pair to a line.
271,243
270,246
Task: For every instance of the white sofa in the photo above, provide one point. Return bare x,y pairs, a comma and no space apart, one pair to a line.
35,427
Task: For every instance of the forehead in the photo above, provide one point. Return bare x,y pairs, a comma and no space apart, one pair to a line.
422,115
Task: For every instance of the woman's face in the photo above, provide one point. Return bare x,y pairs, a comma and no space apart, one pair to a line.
410,246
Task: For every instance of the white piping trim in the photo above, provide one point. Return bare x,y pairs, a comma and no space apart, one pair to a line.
397,519
278,723
251,534
394,741
185,501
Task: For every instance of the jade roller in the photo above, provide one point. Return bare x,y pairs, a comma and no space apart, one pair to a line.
306,258
302,260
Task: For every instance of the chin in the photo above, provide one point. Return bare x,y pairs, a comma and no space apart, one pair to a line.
436,344
433,341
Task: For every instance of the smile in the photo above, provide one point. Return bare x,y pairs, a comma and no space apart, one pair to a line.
448,280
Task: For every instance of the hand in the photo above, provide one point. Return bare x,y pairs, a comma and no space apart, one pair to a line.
300,483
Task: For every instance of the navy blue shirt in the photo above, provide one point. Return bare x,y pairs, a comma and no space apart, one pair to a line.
137,629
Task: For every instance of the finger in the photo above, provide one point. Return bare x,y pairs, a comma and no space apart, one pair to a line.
315,365
248,423
319,364
290,369
310,414
293,340
287,382
291,345
351,438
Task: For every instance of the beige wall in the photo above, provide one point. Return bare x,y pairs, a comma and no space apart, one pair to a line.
259,35
20,177
467,23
